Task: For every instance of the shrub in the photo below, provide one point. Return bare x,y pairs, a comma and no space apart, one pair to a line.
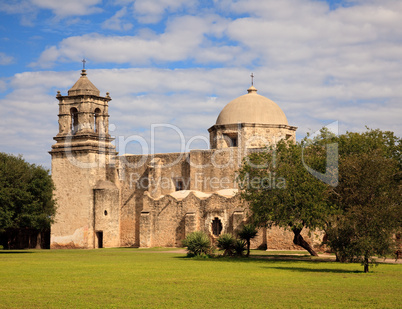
239,247
197,244
226,242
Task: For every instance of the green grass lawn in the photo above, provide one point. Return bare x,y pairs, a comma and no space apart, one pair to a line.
124,278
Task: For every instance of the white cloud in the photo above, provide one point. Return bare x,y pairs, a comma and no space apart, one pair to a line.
150,12
5,59
70,7
24,8
3,85
116,21
308,34
278,10
182,40
29,9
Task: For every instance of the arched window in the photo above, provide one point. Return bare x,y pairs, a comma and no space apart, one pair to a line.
97,118
74,120
216,226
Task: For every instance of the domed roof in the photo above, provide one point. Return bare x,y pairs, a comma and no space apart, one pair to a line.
252,108
83,86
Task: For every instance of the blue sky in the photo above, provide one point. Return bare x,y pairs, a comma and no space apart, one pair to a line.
181,61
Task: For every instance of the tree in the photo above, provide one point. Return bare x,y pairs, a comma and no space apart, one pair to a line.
360,212
247,233
26,195
385,142
368,195
282,192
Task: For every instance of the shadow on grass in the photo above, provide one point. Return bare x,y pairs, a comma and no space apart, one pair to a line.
262,258
282,257
13,251
266,258
273,262
317,270
286,257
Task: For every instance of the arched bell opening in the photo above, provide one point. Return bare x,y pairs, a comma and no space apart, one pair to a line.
97,120
74,120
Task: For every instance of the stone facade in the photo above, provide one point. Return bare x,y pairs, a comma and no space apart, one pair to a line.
106,200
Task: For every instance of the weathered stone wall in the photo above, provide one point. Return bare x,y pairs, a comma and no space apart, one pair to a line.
166,221
214,170
249,135
156,174
260,136
74,180
107,215
133,178
281,239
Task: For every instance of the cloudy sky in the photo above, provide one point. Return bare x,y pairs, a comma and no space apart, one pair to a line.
179,62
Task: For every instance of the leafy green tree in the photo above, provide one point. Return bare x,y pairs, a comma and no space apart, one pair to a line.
197,244
368,195
282,192
360,212
385,143
247,233
226,242
26,195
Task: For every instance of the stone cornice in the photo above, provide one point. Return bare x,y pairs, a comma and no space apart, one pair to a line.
235,126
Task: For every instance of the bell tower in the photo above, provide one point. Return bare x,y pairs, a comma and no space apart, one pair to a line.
83,116
82,157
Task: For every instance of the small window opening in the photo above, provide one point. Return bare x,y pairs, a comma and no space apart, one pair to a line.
216,226
74,120
231,139
105,212
288,136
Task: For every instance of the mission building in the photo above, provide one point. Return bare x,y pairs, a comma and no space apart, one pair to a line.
107,200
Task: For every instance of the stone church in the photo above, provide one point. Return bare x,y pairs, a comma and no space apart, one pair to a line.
155,200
